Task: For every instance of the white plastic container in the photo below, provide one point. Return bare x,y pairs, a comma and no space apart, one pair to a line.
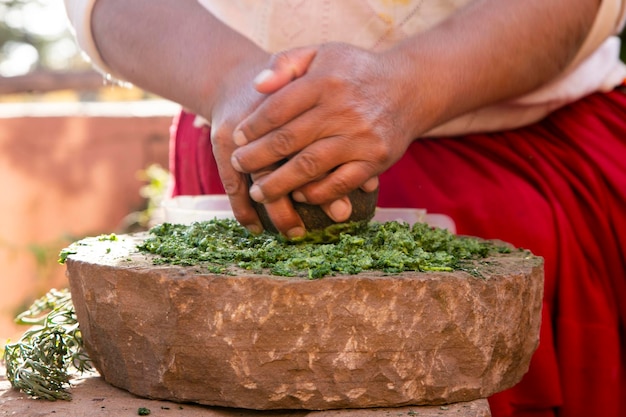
189,209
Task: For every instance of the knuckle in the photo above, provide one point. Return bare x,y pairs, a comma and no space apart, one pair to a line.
271,117
380,149
282,142
307,164
381,154
279,59
335,83
233,185
341,185
219,132
221,139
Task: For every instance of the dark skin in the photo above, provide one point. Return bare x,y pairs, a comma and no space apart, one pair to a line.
339,114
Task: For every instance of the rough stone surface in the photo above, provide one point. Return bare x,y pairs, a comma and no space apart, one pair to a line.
265,342
92,396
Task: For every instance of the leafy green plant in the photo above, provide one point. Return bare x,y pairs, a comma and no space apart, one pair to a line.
351,248
155,180
42,362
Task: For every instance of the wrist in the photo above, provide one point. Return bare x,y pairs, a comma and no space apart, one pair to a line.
421,86
234,73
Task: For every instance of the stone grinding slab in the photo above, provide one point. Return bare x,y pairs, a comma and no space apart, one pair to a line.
265,342
92,396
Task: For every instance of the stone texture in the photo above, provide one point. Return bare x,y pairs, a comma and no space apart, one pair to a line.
264,342
92,396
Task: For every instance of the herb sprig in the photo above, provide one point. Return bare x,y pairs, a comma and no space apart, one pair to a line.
40,364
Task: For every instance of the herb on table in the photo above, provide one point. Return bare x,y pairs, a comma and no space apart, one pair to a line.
65,253
41,362
391,247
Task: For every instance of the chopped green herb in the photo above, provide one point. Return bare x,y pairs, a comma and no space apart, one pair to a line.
391,247
111,237
65,253
142,411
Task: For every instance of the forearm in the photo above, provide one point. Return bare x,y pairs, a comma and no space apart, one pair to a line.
490,51
173,48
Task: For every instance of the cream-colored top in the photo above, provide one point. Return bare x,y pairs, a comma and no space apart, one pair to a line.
276,25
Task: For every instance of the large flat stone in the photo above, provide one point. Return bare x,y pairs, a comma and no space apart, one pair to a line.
92,396
266,342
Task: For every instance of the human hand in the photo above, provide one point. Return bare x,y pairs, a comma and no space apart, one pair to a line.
236,99
336,126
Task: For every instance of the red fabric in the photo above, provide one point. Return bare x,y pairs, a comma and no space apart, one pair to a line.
557,188
191,158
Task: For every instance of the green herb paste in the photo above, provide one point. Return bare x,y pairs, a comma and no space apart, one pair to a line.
391,247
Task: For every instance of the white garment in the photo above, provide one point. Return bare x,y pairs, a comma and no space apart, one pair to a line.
276,25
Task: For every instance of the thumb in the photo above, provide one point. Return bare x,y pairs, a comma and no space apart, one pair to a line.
284,67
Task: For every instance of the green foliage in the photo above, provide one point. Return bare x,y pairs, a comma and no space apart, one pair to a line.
157,179
40,364
390,247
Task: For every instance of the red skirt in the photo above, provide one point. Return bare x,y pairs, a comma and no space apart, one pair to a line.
558,188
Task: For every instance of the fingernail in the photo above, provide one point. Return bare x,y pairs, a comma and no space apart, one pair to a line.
255,229
239,138
370,185
263,76
298,196
256,194
235,163
339,210
295,232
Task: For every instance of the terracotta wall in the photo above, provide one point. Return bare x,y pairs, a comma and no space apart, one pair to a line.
63,177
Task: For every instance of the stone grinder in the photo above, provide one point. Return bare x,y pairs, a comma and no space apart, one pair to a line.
314,218
265,342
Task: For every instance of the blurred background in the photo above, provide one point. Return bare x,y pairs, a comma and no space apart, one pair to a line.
78,156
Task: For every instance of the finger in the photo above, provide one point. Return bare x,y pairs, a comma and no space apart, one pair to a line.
277,110
339,210
281,213
337,184
284,67
236,187
245,213
334,165
304,167
285,218
235,184
371,185
279,144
